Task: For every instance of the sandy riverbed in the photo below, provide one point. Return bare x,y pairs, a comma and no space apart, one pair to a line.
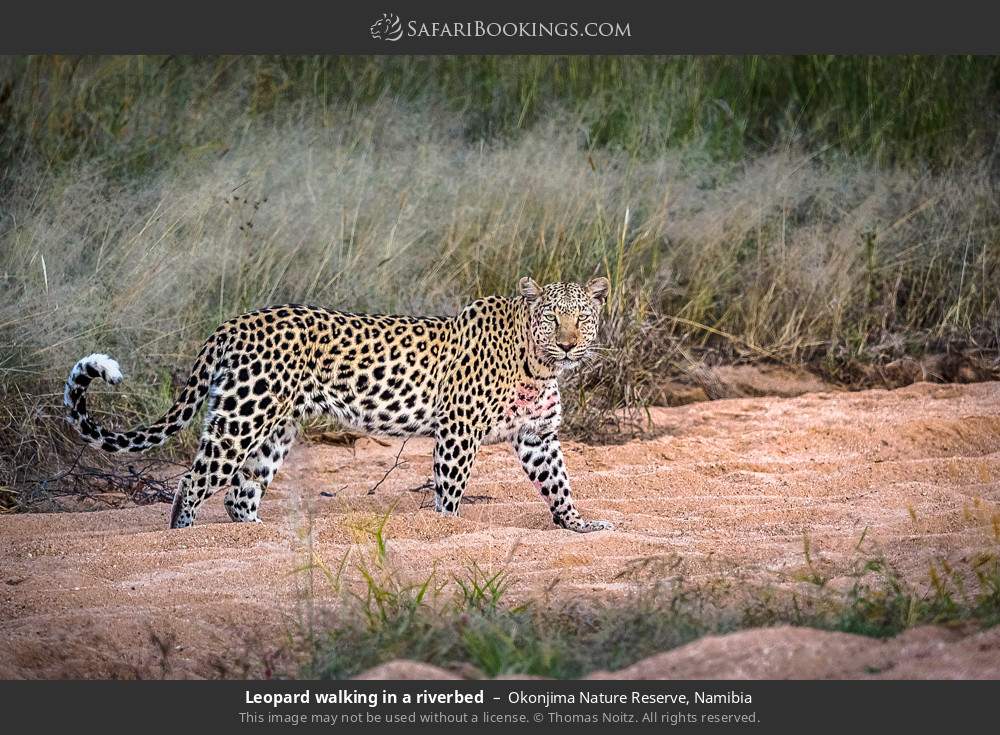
730,487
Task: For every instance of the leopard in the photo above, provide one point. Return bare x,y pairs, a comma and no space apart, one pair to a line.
486,375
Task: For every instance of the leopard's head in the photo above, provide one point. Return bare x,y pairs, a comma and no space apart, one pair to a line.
563,319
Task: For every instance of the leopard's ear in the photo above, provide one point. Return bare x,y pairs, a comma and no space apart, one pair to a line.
529,289
598,289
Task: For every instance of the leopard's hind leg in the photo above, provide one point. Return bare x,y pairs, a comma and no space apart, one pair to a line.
227,441
250,482
216,462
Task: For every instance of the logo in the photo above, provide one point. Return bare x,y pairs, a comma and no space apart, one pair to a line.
387,28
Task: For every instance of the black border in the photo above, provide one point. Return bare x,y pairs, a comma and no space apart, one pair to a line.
777,707
656,26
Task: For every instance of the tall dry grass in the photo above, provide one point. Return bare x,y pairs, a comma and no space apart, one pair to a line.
136,111
137,239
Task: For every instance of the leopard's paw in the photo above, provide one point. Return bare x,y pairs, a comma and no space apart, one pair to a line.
591,526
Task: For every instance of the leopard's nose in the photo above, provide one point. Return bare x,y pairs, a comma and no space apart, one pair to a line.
565,346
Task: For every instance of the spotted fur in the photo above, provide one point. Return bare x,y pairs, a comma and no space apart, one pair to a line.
486,375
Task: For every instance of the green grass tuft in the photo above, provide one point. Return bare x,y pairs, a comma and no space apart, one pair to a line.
470,625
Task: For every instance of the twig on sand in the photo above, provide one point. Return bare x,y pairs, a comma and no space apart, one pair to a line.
427,486
476,499
395,464
328,494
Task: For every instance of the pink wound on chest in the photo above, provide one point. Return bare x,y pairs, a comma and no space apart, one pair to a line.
528,403
526,394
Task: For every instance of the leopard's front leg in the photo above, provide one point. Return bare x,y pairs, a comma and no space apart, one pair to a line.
541,457
455,450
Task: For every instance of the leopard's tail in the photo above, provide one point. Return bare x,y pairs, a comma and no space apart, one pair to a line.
146,437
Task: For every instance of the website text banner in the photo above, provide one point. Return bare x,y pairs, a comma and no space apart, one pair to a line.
457,706
517,26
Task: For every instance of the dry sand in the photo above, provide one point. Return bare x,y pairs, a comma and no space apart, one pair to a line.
730,487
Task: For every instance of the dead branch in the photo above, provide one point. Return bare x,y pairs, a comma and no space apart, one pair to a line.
142,482
395,464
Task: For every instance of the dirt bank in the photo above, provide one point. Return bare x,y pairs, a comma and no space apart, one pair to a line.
731,487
